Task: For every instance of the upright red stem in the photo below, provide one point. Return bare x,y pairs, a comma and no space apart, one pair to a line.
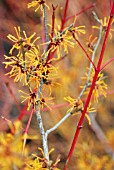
79,126
65,14
111,2
105,38
53,20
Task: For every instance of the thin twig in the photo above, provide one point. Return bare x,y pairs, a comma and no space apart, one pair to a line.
81,12
110,61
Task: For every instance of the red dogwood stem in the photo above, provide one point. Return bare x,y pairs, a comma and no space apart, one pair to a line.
65,14
79,126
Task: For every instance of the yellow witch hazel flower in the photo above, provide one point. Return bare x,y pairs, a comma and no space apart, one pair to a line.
39,163
60,42
38,4
104,26
18,68
91,43
77,30
77,105
32,99
33,57
45,101
38,69
30,69
21,42
89,110
100,87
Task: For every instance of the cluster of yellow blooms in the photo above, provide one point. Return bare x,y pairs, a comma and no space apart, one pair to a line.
29,65
100,86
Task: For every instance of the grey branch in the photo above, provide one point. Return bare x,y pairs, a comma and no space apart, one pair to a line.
45,24
40,123
58,124
43,134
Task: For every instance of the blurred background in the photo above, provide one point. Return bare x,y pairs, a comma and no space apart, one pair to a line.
91,149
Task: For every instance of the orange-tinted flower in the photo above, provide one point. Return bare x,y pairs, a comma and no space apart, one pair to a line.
38,4
100,86
60,43
31,98
21,41
18,69
77,104
91,43
40,163
77,30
